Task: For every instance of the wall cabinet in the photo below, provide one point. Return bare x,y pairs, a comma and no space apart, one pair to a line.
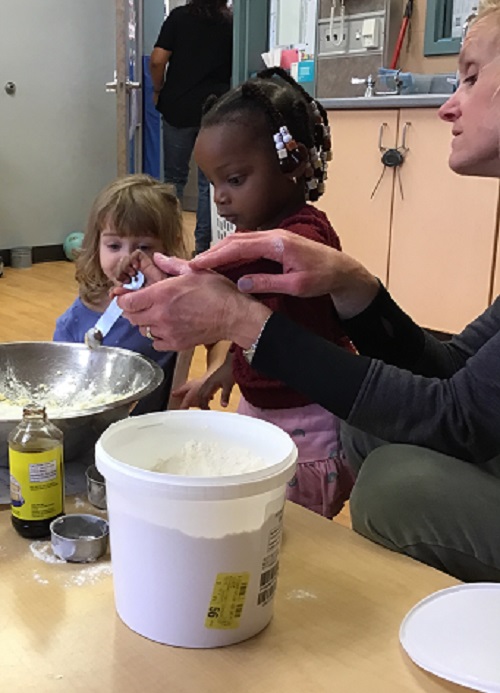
428,233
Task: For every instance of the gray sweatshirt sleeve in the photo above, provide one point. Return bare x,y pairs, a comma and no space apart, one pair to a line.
456,413
446,397
384,331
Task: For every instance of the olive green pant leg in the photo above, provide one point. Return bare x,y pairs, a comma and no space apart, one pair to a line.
357,445
439,510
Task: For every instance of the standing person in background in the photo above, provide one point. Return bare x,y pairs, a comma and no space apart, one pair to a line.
196,42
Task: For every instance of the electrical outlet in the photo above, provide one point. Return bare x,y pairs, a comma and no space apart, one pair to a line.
355,43
352,39
331,43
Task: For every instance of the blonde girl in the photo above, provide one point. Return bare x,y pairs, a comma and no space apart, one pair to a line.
133,213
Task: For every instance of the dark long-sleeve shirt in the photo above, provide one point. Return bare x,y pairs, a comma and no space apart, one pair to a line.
405,386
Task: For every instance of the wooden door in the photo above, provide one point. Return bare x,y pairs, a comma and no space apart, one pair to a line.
361,218
443,231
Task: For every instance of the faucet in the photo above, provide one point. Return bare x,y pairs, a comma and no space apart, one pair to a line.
369,81
370,85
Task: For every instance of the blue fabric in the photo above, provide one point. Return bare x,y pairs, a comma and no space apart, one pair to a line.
151,132
387,78
72,325
178,146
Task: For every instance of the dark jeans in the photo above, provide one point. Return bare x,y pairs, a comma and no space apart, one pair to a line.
178,146
437,509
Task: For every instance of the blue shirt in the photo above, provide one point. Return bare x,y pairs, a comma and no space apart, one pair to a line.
72,325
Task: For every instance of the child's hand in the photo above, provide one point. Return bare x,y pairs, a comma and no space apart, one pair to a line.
186,395
222,379
139,261
200,392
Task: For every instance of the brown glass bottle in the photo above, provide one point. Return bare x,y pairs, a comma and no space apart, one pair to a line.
36,473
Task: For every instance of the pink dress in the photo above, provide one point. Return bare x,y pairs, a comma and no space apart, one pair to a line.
323,480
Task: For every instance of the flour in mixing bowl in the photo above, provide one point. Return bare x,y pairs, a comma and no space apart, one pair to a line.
69,397
197,458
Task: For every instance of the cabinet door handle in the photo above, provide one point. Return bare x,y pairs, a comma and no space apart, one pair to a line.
381,137
404,146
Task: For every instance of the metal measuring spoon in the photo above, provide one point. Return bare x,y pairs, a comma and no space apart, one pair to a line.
95,336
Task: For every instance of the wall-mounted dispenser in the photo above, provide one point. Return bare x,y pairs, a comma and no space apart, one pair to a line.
371,33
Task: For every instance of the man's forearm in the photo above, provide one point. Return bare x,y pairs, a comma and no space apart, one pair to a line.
157,76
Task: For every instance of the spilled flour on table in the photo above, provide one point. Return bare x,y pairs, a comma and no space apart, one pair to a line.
300,594
43,551
87,574
40,579
90,574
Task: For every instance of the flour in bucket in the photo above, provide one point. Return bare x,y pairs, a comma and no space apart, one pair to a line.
195,502
203,458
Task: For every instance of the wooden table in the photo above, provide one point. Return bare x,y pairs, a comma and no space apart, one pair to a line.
338,608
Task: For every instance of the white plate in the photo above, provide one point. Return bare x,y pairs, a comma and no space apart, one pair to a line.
455,634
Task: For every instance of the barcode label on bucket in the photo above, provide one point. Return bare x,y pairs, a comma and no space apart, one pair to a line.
268,583
270,563
266,595
228,600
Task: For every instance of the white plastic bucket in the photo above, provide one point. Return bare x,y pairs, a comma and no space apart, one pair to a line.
195,559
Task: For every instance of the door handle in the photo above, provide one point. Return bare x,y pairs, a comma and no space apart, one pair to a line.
129,85
113,85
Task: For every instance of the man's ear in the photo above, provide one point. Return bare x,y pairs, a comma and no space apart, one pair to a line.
299,170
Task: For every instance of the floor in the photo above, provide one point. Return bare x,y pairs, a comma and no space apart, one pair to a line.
31,300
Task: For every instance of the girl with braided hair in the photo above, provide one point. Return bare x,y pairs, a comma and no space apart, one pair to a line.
264,146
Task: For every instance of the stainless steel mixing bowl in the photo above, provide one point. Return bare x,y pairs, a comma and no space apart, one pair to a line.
84,390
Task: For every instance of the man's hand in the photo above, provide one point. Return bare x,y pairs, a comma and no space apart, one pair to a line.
309,268
192,308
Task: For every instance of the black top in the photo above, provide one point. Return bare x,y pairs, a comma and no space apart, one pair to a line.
406,387
200,64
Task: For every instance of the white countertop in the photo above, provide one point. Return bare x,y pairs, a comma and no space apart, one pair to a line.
363,102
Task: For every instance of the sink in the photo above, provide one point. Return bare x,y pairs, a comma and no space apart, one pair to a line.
403,97
415,84
394,101
416,90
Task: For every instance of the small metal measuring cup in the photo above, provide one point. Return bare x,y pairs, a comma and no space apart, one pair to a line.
79,538
96,487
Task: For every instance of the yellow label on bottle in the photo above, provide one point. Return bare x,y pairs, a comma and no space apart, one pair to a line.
228,599
36,484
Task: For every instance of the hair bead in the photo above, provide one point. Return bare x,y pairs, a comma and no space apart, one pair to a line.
294,118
